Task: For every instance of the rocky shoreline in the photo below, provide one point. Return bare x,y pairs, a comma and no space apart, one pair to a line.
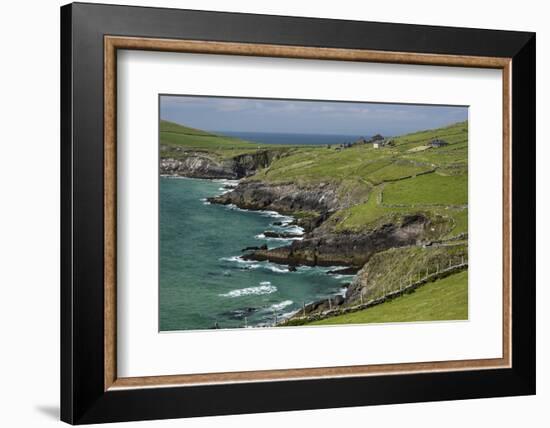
310,206
203,164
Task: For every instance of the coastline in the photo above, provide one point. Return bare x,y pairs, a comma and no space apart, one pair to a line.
290,221
277,221
385,215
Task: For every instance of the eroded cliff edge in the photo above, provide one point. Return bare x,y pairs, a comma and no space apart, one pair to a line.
314,205
204,164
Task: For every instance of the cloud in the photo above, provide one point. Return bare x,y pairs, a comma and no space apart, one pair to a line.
332,117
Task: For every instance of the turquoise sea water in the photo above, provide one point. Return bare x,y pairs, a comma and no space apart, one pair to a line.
202,279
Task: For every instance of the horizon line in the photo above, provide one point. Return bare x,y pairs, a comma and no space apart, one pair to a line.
368,134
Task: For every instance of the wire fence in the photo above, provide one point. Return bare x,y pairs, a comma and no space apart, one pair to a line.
403,289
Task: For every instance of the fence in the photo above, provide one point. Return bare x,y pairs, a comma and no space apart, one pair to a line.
428,277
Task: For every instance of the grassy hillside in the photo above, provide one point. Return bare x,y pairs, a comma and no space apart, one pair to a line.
175,139
376,187
376,166
445,299
386,183
389,270
407,178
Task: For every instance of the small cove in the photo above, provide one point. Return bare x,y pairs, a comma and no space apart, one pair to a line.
203,280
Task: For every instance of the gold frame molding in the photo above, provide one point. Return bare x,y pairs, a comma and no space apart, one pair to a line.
113,43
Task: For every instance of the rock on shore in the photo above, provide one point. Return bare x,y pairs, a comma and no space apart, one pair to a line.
287,198
197,164
355,250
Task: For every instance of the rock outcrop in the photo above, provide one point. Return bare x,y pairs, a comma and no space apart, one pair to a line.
198,164
286,198
355,250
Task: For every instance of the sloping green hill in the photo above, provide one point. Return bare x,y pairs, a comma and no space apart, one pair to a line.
444,299
406,178
409,156
375,189
175,139
172,127
382,184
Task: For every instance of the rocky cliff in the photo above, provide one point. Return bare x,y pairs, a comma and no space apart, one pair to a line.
329,248
383,258
197,164
286,197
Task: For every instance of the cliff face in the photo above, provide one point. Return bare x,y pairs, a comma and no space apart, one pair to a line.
322,245
286,198
327,249
206,165
197,166
383,258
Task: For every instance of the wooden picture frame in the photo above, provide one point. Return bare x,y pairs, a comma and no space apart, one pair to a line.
91,390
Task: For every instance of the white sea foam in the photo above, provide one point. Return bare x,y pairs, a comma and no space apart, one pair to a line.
277,269
294,229
223,190
279,306
265,287
227,182
236,208
274,214
237,259
262,236
341,276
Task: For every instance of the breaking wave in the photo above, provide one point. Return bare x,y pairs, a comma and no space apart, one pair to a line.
279,306
265,287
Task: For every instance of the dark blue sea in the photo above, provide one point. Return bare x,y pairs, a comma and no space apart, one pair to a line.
298,139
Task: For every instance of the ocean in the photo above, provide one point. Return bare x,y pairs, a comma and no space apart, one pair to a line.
298,139
203,281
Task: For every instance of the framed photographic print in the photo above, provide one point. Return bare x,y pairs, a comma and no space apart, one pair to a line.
266,213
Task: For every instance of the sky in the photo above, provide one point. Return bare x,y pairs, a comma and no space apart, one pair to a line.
305,117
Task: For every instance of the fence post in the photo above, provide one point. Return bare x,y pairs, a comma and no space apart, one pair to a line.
361,296
245,322
304,308
462,260
329,304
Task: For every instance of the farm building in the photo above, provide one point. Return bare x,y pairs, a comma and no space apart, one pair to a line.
438,143
382,143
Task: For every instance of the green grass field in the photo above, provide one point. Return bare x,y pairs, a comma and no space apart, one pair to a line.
380,186
175,139
387,183
428,189
445,299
